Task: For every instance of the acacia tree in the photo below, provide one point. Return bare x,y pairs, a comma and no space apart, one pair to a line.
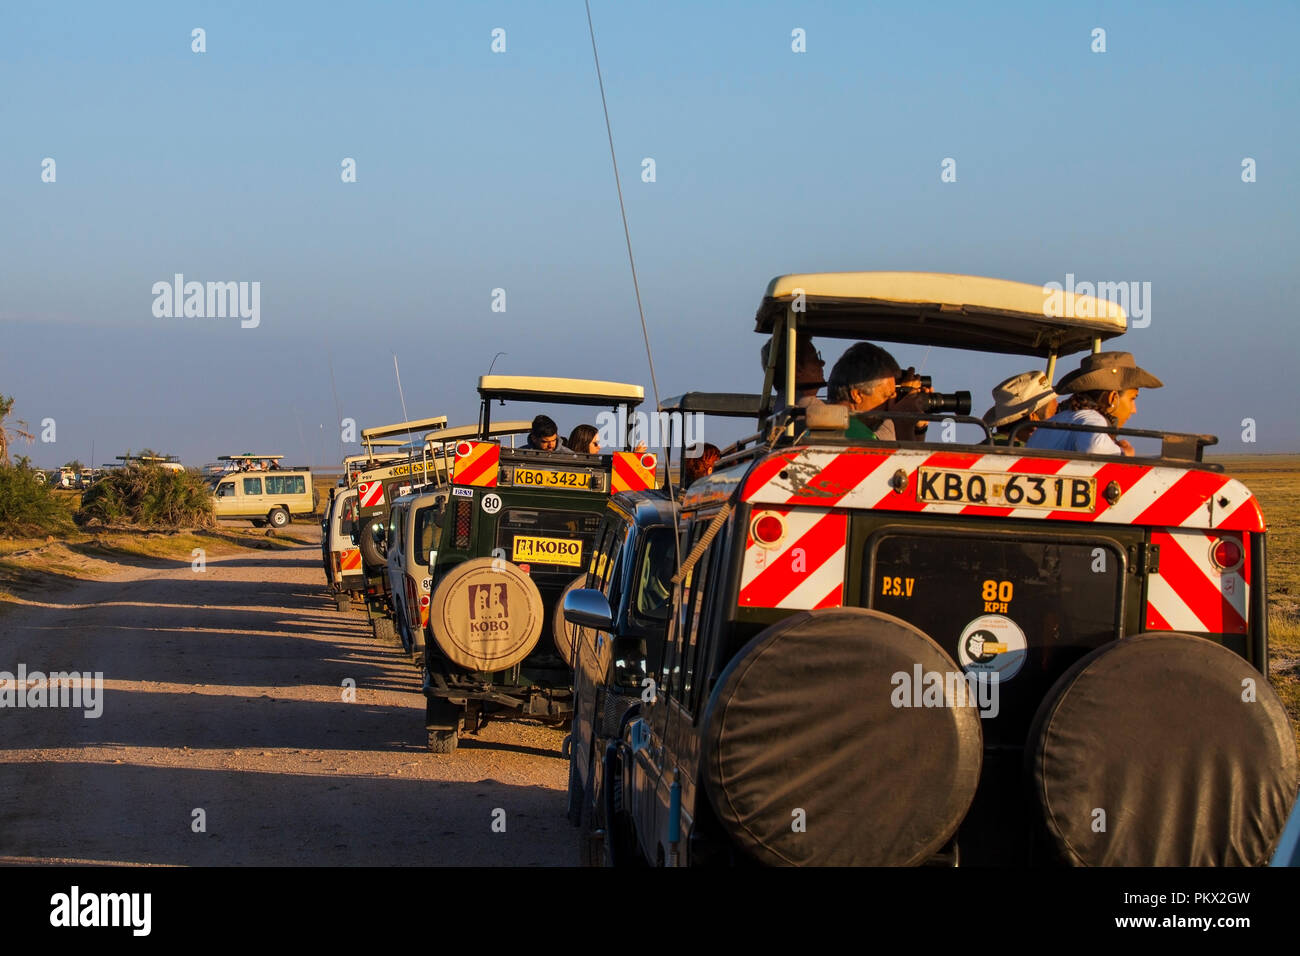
18,428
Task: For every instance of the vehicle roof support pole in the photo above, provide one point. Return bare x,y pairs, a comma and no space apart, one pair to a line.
1051,366
790,335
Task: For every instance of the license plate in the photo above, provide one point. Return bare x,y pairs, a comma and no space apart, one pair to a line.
566,551
548,478
1001,490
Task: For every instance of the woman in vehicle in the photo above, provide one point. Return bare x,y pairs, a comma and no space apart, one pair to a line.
1103,391
583,440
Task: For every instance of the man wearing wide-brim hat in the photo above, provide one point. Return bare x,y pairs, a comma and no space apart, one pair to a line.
1028,395
1103,391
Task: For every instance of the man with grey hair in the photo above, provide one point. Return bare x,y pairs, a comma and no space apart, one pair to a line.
866,378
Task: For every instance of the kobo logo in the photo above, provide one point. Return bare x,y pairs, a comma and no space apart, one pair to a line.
489,608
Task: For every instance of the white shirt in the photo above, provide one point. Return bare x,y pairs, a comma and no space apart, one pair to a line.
1088,443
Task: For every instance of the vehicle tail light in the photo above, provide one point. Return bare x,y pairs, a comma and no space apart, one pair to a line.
1226,554
648,461
464,512
767,529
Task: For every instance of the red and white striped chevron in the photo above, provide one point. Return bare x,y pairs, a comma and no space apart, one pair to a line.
1189,592
805,569
371,493
859,478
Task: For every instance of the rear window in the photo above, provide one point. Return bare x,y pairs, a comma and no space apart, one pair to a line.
559,541
426,526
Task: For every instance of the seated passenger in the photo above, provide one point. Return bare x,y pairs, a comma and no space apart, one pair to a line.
808,372
1103,391
584,440
702,464
865,379
543,436
1027,396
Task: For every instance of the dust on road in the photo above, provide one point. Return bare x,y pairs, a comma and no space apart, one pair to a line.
223,692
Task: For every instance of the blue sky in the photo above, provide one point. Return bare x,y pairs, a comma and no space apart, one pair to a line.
479,170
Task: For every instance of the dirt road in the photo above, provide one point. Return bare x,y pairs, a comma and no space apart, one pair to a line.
224,693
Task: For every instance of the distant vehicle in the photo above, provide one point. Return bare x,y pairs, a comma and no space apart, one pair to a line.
518,528
912,653
265,498
385,476
412,542
165,462
340,554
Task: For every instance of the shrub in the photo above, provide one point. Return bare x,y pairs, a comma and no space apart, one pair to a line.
149,497
27,506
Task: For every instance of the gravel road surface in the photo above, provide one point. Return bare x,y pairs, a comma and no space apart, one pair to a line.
224,693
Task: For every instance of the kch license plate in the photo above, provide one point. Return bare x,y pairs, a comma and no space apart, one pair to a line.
1002,490
566,551
549,478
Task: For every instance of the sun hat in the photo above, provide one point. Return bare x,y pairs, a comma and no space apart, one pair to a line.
1106,371
1017,397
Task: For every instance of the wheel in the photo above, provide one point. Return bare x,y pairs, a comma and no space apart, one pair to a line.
441,718
442,741
278,518
383,628
259,522
343,601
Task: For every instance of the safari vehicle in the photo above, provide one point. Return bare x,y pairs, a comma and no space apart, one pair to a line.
387,475
379,486
518,529
412,526
616,621
907,653
341,556
269,496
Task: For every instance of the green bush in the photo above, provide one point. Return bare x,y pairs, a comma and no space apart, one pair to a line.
29,507
149,497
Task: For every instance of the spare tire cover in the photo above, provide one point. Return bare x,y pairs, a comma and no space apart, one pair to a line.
1162,750
366,542
816,715
486,614
563,633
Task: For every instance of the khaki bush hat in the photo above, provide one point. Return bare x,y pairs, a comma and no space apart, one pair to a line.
1105,371
1017,397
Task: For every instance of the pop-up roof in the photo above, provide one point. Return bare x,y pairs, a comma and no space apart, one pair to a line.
417,425
721,404
567,391
949,311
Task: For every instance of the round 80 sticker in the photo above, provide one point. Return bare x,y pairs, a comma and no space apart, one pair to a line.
992,644
491,503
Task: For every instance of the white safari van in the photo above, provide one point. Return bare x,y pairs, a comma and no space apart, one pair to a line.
271,496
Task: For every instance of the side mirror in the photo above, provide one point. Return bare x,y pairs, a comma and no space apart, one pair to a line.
587,607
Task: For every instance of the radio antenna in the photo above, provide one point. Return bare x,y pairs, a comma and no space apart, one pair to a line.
631,259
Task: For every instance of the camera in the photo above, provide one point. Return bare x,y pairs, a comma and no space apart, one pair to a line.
944,403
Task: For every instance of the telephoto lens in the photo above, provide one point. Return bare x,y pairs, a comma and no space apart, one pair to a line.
945,403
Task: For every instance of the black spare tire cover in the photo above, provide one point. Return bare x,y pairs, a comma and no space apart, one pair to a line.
1162,750
366,542
804,718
